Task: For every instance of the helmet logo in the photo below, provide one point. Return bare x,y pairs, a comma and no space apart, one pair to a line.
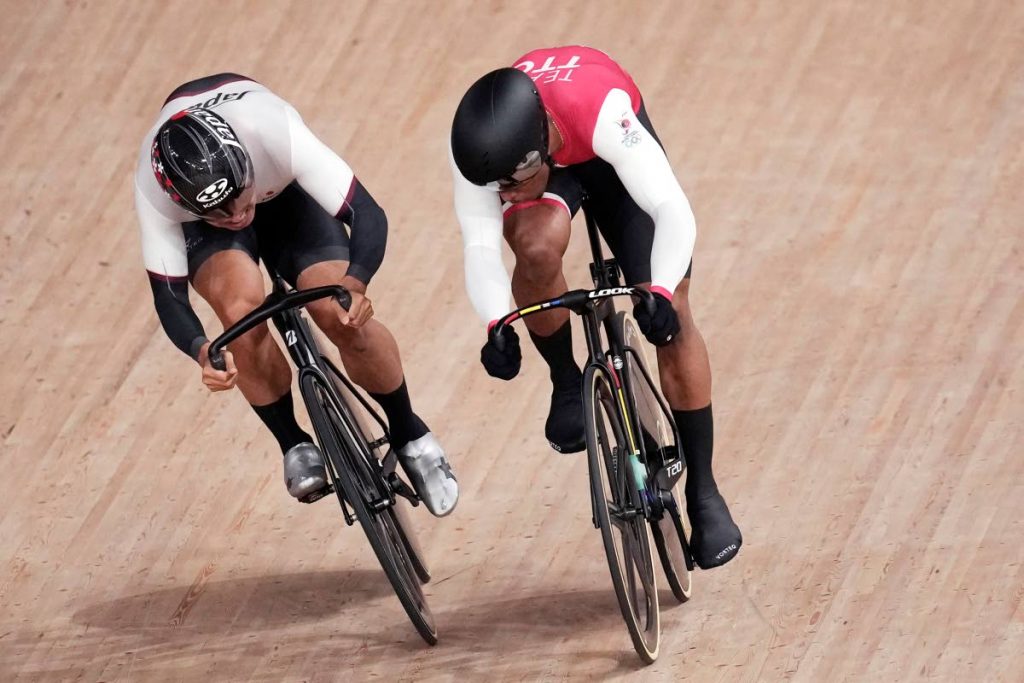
216,124
213,192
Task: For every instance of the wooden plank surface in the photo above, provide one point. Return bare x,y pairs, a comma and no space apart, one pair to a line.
856,171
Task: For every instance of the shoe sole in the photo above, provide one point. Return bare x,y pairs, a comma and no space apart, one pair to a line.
572,448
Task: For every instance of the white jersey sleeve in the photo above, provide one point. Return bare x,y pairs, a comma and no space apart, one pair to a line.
644,170
163,240
479,213
316,167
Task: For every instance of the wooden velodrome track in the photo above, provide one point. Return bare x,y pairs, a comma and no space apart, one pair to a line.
856,171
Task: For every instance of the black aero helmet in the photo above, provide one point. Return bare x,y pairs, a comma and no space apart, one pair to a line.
199,161
499,122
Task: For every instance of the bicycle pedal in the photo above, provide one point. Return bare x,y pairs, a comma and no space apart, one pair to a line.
402,489
313,497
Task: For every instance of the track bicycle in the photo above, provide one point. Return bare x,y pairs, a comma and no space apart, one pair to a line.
352,437
634,463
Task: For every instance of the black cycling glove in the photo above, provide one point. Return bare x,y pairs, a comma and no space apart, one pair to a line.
501,357
661,325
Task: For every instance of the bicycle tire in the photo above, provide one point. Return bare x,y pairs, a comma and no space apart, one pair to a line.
630,561
365,428
668,532
349,467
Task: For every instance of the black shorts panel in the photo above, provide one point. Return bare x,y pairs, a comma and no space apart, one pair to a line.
289,233
627,229
295,232
202,241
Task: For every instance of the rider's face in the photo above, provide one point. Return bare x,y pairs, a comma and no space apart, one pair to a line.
237,214
529,189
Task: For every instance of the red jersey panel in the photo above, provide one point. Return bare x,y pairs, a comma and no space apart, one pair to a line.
573,82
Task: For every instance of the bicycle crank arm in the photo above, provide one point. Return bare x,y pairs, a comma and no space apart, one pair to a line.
672,471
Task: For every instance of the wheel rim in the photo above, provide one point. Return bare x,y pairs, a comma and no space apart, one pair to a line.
387,525
380,526
370,430
673,547
628,529
652,420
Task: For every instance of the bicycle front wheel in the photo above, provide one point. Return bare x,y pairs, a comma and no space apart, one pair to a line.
370,431
655,426
619,513
356,477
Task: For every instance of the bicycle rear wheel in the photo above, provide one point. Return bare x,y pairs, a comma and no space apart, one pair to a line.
619,514
356,477
655,426
670,539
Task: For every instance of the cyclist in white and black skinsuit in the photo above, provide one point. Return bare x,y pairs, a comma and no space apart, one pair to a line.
230,174
528,142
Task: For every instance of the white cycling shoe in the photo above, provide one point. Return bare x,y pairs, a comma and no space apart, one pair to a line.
304,470
425,464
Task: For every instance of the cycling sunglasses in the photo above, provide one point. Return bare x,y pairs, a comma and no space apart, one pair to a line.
524,172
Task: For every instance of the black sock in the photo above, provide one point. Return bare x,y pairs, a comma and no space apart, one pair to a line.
403,424
697,437
279,417
556,349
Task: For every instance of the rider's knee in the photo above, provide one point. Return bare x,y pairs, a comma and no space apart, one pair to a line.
240,305
681,304
327,318
350,340
539,236
538,263
248,343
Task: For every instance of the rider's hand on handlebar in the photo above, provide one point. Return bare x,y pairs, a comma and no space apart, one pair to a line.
218,380
361,308
659,326
502,358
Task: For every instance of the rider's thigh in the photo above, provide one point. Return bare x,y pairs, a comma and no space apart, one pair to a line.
325,311
231,282
538,235
322,274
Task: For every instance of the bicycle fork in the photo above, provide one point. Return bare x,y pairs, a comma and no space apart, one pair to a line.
635,470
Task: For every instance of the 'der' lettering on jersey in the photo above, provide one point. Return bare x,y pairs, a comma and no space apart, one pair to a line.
548,72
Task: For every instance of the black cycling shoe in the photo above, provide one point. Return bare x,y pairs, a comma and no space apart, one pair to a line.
716,539
564,428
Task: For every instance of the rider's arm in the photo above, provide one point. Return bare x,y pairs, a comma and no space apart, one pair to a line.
164,255
479,213
641,164
331,182
170,296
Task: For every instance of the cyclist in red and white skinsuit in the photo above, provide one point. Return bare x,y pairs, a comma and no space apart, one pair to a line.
229,174
528,144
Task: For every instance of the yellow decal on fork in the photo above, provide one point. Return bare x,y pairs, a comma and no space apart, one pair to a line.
629,423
